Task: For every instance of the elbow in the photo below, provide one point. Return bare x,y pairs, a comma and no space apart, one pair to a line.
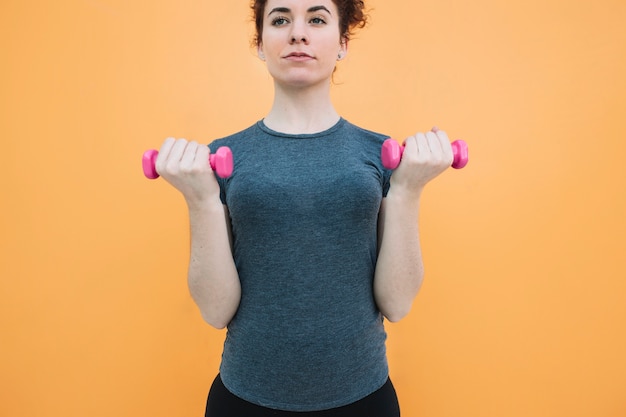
396,305
218,317
216,309
396,313
394,309
218,326
216,322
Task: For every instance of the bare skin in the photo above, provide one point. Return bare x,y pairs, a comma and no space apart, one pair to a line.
301,45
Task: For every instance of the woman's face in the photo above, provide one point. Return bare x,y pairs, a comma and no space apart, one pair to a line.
300,41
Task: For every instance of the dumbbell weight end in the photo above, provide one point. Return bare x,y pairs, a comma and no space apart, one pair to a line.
221,162
391,154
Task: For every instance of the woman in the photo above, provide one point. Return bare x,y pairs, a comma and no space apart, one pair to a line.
310,243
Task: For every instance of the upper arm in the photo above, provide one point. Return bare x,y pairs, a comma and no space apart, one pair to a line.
381,223
228,226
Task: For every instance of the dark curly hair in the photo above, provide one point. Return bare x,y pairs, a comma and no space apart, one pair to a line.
352,16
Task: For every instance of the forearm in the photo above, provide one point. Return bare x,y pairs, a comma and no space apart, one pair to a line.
399,269
212,276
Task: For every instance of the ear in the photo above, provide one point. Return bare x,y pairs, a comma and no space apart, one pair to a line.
343,49
259,51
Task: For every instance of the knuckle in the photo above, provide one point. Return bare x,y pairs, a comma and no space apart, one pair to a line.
170,171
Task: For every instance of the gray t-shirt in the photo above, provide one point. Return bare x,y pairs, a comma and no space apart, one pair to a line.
304,210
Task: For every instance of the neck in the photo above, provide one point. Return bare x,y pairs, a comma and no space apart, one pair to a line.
301,110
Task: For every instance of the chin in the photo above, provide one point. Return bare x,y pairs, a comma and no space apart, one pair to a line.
303,81
301,77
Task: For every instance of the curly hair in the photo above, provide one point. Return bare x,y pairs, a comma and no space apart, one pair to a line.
352,16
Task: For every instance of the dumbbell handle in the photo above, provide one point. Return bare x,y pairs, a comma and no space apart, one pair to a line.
221,162
391,154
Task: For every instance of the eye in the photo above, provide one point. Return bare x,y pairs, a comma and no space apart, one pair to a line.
318,21
279,21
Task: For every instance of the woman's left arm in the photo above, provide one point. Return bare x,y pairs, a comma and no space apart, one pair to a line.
399,268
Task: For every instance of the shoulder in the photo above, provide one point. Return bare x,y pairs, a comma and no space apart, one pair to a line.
370,144
234,139
365,134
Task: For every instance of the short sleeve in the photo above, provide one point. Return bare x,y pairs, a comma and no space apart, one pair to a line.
386,181
222,182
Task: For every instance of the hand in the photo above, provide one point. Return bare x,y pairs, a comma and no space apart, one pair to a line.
426,155
185,165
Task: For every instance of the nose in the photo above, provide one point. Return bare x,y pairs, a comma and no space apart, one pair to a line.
298,34
299,39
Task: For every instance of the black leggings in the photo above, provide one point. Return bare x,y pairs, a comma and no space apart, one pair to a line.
222,403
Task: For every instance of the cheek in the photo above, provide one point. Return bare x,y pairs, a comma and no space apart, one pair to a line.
332,48
271,42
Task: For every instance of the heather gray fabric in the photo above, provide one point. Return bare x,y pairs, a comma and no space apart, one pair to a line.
308,335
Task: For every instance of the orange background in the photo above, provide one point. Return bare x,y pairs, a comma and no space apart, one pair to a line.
523,310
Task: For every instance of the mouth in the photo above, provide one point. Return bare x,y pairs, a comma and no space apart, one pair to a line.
298,56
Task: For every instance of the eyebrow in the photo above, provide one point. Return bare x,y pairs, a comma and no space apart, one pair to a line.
310,10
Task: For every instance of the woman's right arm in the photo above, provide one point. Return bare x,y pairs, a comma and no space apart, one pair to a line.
212,277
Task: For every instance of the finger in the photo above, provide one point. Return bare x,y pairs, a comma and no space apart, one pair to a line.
434,144
445,146
410,145
176,153
441,134
164,153
200,162
202,156
188,157
423,149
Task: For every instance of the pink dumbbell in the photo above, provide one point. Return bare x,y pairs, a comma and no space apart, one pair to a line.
391,154
221,162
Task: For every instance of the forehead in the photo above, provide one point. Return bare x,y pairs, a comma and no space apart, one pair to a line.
298,6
